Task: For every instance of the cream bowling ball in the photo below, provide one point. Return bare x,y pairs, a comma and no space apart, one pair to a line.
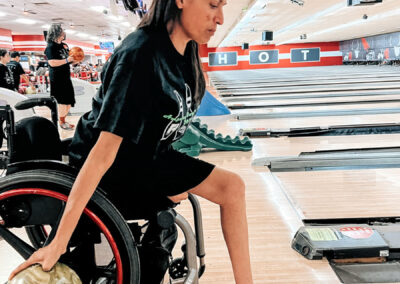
60,274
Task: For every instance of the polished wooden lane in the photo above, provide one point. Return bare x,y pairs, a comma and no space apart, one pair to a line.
343,194
336,101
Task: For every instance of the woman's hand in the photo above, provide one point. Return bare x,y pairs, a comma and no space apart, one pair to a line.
47,257
71,59
178,198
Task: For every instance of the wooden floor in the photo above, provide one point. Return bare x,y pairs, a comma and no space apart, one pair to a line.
276,203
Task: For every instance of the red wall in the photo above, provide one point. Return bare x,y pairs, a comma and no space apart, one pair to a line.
5,39
29,42
334,56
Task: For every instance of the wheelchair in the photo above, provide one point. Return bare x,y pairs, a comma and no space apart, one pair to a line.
105,246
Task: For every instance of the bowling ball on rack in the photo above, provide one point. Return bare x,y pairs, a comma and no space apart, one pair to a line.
77,53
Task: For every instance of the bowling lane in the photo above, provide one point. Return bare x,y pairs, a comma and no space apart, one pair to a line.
306,95
343,194
314,101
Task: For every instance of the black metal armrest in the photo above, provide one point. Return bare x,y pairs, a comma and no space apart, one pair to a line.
50,102
36,101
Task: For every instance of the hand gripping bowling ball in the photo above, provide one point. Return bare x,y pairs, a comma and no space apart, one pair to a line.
77,53
34,274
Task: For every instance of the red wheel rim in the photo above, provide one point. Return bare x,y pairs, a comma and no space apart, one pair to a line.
89,213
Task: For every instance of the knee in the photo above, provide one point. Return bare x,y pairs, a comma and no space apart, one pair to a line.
234,190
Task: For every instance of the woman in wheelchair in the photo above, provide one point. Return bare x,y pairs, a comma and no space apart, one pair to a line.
151,88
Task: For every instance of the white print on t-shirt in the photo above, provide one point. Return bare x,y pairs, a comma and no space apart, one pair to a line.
64,52
179,123
9,78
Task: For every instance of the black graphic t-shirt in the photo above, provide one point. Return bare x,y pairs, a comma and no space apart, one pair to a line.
145,97
57,51
6,79
17,71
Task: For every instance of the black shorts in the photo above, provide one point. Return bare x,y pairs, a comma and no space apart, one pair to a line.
63,91
142,187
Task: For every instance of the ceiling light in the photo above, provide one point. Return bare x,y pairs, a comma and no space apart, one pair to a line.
71,32
46,26
25,21
94,38
115,18
2,14
99,9
82,35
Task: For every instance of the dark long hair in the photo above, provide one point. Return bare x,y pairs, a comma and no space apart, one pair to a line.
159,14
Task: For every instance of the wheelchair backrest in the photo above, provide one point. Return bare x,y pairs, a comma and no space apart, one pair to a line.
35,138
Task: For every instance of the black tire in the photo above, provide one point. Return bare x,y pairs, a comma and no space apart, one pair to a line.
61,183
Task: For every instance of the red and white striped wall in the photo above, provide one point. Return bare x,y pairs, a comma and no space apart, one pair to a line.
6,39
87,47
328,54
29,42
37,43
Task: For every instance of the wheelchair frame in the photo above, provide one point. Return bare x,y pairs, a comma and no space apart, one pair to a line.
22,171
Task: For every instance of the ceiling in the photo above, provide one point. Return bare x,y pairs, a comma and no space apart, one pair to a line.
85,20
319,20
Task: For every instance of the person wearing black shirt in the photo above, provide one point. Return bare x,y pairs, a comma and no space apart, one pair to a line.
60,78
16,69
42,64
151,88
6,78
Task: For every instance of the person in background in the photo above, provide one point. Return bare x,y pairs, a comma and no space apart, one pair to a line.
17,70
6,78
60,77
42,64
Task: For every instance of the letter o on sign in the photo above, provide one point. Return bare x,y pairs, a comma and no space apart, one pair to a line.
263,56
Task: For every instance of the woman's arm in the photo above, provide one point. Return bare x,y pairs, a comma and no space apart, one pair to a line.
97,163
59,62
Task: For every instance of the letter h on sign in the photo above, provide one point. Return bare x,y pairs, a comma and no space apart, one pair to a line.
222,59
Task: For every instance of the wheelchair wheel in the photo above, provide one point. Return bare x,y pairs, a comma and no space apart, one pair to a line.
102,248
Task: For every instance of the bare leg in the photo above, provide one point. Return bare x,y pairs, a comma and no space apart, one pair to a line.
68,108
63,112
228,190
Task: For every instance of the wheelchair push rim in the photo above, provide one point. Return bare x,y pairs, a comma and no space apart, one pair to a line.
89,213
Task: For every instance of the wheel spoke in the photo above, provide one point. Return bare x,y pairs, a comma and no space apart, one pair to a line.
19,245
